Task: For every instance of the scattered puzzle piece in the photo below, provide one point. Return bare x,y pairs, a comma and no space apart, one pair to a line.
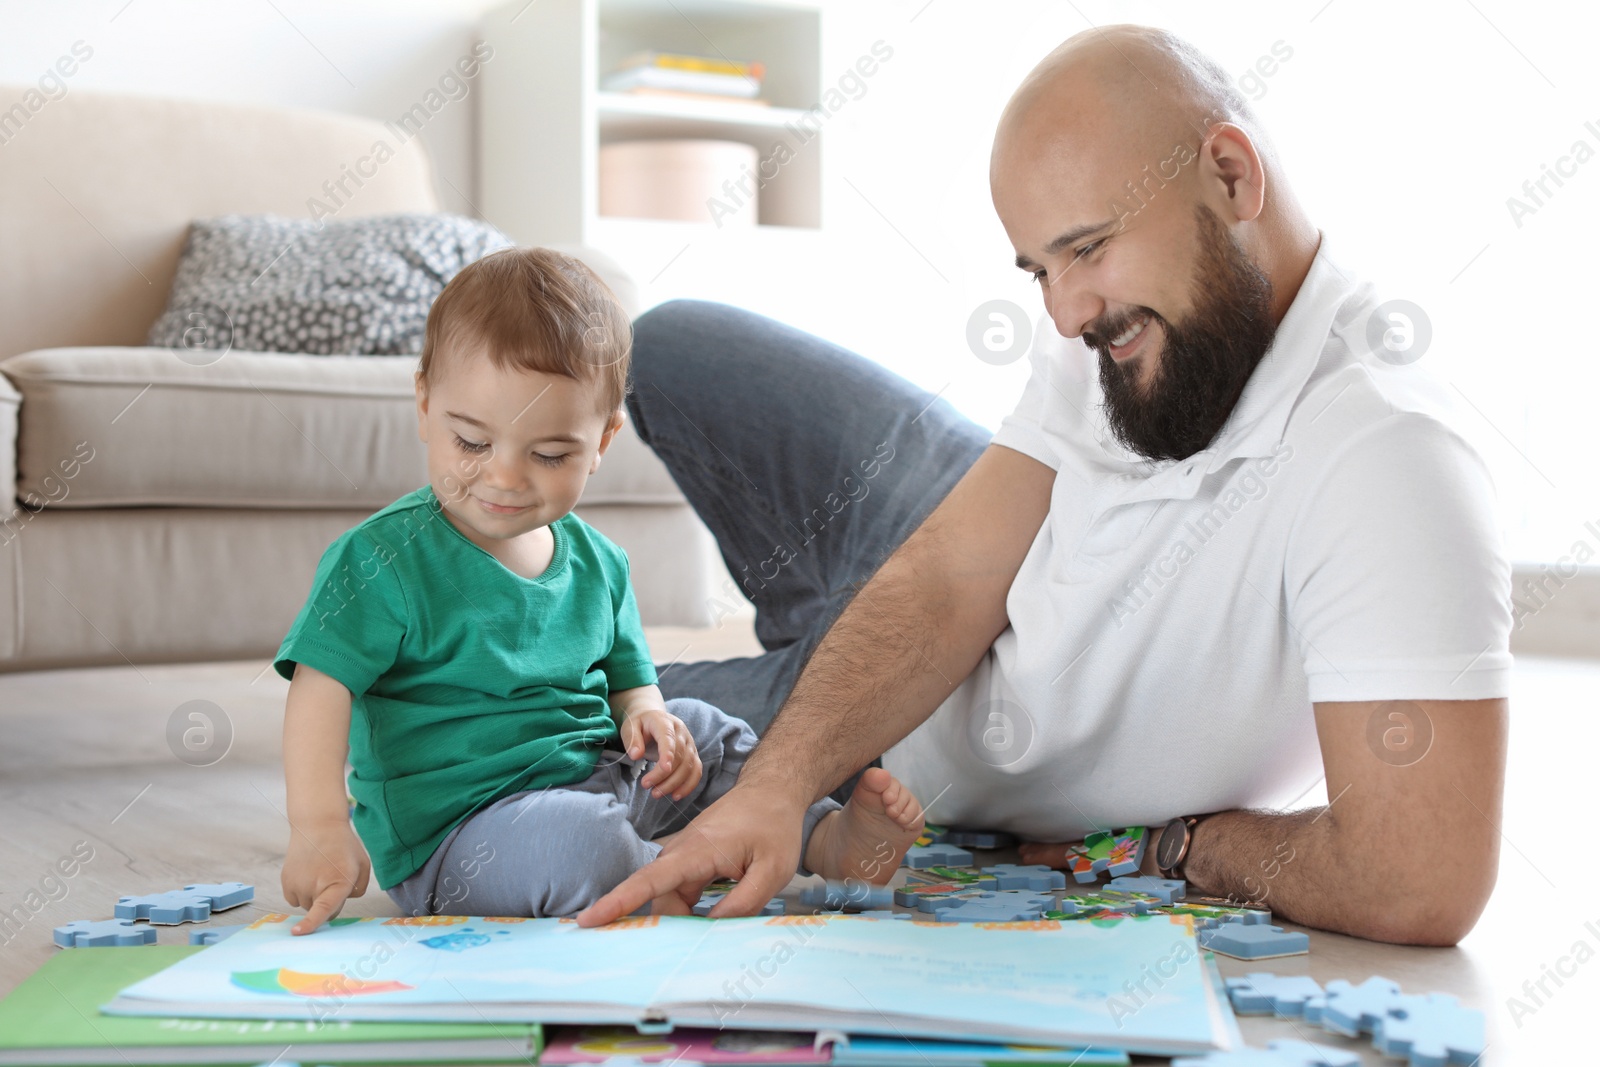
105,933
847,896
921,856
932,835
931,904
979,838
968,876
1088,905
1202,912
1254,942
1121,851
192,903
912,894
1276,1054
707,901
1170,890
977,911
1009,906
1431,1031
212,935
1034,876
1353,1010
1270,994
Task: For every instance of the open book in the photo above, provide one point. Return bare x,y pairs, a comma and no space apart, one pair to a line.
1137,983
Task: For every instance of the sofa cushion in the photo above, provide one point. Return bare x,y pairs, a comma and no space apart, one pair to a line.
267,283
253,430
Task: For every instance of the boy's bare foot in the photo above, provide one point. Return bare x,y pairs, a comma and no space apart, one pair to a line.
867,838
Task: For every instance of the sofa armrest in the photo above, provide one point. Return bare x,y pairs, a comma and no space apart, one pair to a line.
10,405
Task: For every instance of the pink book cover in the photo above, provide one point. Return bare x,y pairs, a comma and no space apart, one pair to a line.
595,1044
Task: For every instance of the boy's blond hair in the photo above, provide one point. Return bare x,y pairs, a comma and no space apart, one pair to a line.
534,309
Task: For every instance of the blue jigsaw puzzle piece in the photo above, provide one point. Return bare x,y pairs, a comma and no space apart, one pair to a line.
847,896
707,901
1270,994
224,895
191,904
940,855
105,933
1011,906
1276,1054
1170,890
932,904
1035,876
973,911
978,838
1254,942
1430,1031
1353,1010
212,935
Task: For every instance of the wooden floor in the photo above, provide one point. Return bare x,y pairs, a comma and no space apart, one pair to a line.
86,764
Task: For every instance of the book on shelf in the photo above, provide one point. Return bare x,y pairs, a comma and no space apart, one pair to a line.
700,64
686,74
680,94
53,1018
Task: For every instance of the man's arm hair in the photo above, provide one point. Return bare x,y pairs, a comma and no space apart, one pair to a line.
912,633
1407,848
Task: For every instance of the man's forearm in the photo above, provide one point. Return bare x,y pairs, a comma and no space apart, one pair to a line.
1312,868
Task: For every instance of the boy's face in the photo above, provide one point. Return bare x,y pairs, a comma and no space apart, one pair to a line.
509,451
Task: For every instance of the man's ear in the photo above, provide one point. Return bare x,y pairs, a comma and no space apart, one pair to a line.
1233,180
422,408
606,436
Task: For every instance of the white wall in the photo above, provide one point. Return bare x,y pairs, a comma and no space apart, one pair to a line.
1405,128
357,56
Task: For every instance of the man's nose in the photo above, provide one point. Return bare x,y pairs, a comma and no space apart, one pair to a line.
1072,307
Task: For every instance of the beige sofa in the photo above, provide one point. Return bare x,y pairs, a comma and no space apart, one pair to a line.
160,511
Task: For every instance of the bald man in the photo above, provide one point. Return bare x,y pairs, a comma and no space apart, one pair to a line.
1224,551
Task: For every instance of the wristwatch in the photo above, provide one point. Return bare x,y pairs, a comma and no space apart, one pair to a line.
1172,847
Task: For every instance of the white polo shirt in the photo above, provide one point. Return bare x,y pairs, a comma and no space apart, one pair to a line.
1174,621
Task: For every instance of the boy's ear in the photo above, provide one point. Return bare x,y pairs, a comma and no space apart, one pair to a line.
606,436
422,408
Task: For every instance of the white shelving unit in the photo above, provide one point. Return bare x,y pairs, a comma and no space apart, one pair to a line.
543,119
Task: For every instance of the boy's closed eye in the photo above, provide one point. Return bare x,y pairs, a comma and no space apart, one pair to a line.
478,447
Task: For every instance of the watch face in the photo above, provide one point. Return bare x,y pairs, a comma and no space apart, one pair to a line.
1169,850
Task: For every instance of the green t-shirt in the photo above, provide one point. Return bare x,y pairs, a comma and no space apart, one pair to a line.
469,682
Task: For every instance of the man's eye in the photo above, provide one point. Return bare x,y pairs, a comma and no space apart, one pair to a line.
468,446
1042,277
1088,248
551,461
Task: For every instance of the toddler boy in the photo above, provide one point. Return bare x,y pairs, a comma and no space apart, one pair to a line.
474,649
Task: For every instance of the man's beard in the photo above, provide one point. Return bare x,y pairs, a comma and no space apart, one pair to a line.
1205,361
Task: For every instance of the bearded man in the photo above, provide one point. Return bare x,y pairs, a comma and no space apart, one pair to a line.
1224,549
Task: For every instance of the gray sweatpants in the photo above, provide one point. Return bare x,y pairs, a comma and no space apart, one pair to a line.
555,851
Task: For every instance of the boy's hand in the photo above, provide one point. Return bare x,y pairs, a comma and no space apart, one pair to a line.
677,769
326,865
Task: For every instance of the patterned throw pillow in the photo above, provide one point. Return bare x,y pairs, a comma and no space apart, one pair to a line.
267,283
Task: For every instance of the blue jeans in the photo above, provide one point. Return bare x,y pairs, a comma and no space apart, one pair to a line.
809,464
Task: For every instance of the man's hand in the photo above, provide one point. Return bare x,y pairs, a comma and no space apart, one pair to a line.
326,865
751,834
677,761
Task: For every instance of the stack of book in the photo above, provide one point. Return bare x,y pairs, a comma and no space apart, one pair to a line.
54,1017
666,73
